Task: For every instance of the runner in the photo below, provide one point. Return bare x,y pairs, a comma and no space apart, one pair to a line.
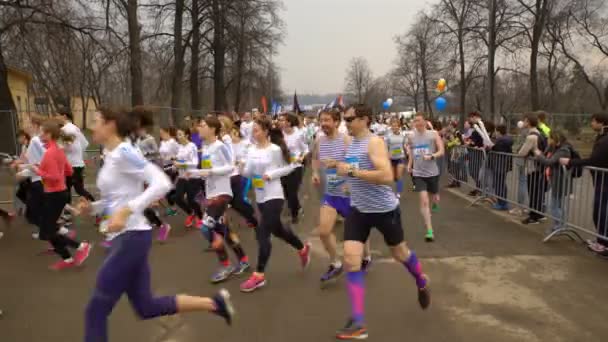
53,169
374,205
216,167
266,163
329,149
188,185
298,149
424,147
396,141
126,269
168,153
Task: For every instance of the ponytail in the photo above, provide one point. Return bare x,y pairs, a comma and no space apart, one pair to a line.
276,137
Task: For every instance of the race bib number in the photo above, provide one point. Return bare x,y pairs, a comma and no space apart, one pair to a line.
353,161
206,162
396,152
257,182
332,177
421,150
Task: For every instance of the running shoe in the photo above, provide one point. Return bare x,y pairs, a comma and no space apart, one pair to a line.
82,253
332,273
8,218
435,208
198,223
223,306
222,274
170,212
352,331
424,295
241,268
36,236
430,236
305,255
529,220
366,263
398,195
189,221
254,282
62,265
163,232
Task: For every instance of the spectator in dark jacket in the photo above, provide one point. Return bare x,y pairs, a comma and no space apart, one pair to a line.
598,159
501,162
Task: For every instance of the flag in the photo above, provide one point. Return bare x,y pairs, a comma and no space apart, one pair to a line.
340,101
296,105
264,105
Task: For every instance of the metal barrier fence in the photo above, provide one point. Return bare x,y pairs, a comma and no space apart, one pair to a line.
575,199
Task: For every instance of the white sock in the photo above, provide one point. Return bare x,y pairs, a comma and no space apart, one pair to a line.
63,231
337,263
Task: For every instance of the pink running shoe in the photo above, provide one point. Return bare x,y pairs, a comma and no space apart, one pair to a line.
254,282
61,265
305,255
82,253
163,232
189,221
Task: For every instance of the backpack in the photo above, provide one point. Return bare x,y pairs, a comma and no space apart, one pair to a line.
576,171
542,141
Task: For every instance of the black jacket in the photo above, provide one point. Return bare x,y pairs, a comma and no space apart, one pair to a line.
498,161
598,158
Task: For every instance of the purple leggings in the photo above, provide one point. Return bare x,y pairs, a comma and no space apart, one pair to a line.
125,270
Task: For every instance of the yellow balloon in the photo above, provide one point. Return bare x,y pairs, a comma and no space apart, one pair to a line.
441,84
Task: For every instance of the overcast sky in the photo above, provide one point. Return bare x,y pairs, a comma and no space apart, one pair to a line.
323,35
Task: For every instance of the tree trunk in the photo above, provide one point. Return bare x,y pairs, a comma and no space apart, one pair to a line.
178,66
491,56
195,56
219,57
463,76
542,11
8,117
423,72
240,66
137,81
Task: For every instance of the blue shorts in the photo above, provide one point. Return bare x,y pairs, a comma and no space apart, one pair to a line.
341,204
396,162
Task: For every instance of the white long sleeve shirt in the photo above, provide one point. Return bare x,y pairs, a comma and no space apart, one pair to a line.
75,151
187,159
296,143
240,149
168,150
121,184
216,160
266,161
34,154
247,130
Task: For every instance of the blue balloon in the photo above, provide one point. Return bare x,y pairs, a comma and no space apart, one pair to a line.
441,104
386,105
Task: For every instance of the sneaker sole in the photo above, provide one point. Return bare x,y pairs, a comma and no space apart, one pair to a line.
429,239
241,270
363,336
257,286
85,257
427,290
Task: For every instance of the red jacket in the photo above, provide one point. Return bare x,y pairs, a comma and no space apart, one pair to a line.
53,168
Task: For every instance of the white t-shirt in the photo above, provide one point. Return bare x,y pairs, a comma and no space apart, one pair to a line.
168,150
35,152
75,151
240,149
121,184
296,143
187,158
266,161
217,160
247,130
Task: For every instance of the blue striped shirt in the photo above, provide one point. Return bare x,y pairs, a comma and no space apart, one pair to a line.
333,149
365,196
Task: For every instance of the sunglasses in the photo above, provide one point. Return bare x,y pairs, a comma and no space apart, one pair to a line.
349,118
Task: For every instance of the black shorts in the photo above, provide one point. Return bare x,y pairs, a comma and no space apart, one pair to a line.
428,184
396,162
358,225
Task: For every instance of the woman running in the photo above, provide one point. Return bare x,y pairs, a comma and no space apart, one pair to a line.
168,153
126,270
53,169
188,185
216,167
298,149
396,142
266,163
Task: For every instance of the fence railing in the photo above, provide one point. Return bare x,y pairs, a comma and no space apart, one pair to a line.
575,199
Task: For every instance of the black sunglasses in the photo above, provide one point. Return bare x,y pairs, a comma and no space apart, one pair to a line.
349,118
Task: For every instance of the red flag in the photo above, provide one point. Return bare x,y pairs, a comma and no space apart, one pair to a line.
264,105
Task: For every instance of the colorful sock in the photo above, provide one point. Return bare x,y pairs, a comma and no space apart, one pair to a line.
413,266
400,186
356,292
246,190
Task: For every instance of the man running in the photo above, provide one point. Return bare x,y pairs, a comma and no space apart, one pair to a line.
424,147
374,204
329,149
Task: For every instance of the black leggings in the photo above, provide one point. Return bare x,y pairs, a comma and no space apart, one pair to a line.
33,208
151,216
190,188
76,180
170,197
238,200
291,186
271,224
54,202
213,223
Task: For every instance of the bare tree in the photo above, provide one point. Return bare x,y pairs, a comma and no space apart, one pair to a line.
359,79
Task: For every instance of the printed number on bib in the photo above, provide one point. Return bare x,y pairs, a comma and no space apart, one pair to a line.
332,177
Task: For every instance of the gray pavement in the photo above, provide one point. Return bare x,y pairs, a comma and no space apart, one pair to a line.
492,280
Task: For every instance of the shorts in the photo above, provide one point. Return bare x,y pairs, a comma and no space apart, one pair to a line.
341,204
358,226
395,162
428,184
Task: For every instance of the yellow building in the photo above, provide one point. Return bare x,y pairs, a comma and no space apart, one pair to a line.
19,83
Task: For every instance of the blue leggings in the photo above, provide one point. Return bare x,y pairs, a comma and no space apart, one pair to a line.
125,270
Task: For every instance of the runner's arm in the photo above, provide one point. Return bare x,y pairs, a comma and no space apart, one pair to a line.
379,157
440,147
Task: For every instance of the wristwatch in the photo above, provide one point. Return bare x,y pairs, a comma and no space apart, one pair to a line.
351,171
